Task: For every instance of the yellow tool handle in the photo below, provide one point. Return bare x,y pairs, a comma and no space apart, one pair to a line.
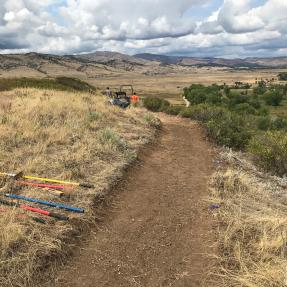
50,180
83,184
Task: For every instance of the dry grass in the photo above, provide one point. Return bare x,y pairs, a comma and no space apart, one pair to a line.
253,233
5,104
73,136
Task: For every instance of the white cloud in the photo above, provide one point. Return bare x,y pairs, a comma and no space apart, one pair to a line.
130,19
237,17
132,26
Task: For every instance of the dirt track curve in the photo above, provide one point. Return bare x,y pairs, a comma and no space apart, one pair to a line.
159,231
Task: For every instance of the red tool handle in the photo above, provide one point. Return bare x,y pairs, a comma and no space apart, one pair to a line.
44,185
44,212
36,210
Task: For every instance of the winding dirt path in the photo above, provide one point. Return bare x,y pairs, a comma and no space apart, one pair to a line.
159,230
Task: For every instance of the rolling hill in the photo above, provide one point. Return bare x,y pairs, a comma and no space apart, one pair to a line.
105,64
279,62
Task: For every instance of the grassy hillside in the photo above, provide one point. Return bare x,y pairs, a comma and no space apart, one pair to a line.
65,135
59,84
252,231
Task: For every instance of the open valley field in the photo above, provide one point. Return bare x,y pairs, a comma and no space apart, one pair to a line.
170,86
157,194
149,78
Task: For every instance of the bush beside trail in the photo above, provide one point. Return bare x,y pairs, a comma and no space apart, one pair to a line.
230,119
155,104
273,98
174,110
229,130
270,151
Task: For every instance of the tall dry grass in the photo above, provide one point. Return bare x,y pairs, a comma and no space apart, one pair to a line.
64,135
253,230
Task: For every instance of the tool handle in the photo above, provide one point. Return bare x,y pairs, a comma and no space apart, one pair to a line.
86,185
48,203
39,220
58,216
43,185
9,203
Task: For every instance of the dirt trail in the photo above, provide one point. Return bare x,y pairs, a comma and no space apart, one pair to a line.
159,231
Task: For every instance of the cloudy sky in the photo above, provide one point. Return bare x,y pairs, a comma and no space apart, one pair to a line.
217,28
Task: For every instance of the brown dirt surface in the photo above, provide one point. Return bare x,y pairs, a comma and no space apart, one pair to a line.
159,230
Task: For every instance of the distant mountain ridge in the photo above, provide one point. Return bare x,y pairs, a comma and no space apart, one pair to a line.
105,57
99,64
251,62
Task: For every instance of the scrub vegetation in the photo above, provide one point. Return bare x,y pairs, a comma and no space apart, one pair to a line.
238,120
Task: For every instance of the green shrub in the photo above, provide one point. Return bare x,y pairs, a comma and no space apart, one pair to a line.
223,126
270,151
203,112
214,98
174,110
229,130
155,104
236,99
263,111
260,89
273,98
264,123
279,124
186,113
244,109
255,103
108,137
196,98
199,94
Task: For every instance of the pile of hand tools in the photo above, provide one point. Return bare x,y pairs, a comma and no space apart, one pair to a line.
56,186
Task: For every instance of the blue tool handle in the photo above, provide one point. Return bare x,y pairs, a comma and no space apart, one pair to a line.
48,203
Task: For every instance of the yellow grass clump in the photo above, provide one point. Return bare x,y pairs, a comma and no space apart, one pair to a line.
253,230
68,136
